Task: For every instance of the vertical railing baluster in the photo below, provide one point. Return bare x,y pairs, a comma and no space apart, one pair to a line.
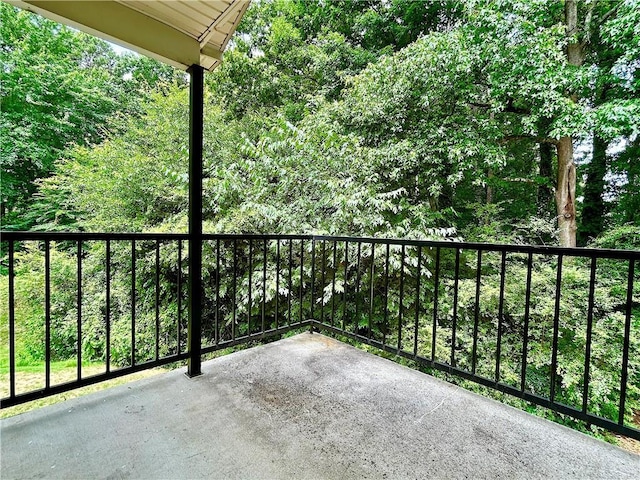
12,322
157,299
323,279
235,289
417,321
79,311
216,326
454,326
344,287
107,352
525,342
313,277
133,302
401,295
277,296
47,314
625,348
435,305
358,278
290,292
500,314
556,328
301,276
386,294
264,282
587,353
250,299
333,286
476,317
371,289
179,292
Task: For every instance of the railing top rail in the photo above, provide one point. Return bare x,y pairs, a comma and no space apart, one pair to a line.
66,236
491,247
497,247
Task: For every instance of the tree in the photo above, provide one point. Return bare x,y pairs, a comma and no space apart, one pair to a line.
133,181
613,49
293,55
592,96
60,88
566,184
454,108
54,91
467,122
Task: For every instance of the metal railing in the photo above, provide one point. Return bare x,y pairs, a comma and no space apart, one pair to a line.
556,327
61,330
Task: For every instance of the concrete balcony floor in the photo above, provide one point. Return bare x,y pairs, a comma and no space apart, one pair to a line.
304,407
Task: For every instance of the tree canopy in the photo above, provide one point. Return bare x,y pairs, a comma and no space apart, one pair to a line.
59,88
396,118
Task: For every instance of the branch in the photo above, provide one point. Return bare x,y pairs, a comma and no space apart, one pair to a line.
610,13
587,26
513,109
479,105
589,18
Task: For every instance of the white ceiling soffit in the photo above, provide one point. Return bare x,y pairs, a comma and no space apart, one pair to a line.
180,33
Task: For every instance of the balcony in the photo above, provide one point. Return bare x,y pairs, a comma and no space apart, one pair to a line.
510,318
550,327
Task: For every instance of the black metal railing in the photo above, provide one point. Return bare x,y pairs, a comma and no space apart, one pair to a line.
556,327
80,280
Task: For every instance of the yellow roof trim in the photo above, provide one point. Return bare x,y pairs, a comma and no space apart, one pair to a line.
140,27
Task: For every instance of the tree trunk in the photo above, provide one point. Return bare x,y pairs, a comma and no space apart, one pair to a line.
566,193
592,219
566,187
628,203
575,52
489,187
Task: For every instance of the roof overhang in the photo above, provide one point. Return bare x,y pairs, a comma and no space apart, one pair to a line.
180,33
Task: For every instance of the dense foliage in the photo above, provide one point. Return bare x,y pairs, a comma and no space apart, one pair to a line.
446,118
59,88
